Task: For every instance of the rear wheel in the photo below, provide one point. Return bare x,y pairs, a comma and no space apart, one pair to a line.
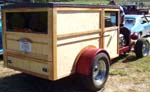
141,48
99,73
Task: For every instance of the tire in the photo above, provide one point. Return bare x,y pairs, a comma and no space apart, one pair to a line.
99,73
141,48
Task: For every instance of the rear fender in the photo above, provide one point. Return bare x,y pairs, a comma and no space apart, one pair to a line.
84,62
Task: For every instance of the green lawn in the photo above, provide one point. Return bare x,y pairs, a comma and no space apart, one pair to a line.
128,64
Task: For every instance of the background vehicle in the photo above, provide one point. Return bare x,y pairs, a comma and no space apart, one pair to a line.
137,24
55,40
1,49
132,9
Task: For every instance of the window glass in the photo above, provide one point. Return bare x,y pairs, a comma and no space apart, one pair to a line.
130,21
148,17
111,18
144,20
30,22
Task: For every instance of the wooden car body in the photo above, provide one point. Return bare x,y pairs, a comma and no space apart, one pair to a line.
53,52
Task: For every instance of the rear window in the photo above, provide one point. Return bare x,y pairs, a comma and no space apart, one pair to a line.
28,22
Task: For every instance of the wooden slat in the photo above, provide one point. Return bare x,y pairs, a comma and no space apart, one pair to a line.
50,42
111,28
4,36
36,48
78,39
29,65
118,32
28,72
50,34
30,56
70,35
102,27
54,44
38,38
100,31
112,9
26,10
77,9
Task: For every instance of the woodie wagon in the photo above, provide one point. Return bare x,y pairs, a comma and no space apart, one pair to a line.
54,40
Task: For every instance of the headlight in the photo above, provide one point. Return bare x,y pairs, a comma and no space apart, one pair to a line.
134,36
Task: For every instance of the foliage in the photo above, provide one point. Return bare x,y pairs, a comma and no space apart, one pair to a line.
52,0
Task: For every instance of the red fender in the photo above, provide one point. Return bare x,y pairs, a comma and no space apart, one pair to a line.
85,60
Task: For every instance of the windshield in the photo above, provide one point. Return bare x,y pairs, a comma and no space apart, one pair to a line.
148,17
129,22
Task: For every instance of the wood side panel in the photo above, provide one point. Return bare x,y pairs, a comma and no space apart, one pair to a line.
50,41
112,9
77,21
38,38
29,72
50,33
102,23
4,36
55,73
70,35
77,9
111,43
118,33
31,56
111,28
32,66
80,29
68,49
36,48
26,10
100,31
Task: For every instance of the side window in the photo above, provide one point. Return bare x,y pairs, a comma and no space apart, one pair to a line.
111,18
27,22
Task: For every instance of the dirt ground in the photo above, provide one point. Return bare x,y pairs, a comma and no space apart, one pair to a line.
128,79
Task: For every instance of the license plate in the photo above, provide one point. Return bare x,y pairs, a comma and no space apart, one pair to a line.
25,46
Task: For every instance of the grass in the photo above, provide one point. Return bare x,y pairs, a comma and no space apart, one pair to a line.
118,72
129,74
134,65
143,65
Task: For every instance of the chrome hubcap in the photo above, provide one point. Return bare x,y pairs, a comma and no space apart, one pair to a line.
145,49
99,72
